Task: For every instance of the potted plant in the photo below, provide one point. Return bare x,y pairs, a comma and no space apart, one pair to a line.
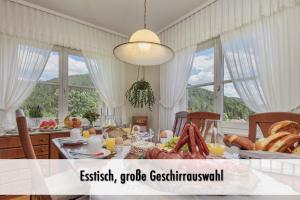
140,94
91,116
35,113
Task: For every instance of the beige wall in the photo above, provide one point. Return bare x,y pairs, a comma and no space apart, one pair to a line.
152,76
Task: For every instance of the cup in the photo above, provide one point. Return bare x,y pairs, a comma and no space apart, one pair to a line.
75,134
111,144
95,143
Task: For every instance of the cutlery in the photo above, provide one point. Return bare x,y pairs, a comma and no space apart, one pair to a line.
87,154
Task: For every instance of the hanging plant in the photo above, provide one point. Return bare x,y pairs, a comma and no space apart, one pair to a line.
140,94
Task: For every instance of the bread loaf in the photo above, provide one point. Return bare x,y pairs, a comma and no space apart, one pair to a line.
282,144
264,143
240,142
286,125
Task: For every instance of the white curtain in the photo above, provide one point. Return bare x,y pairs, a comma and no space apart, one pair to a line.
107,74
218,17
173,81
21,64
264,63
31,23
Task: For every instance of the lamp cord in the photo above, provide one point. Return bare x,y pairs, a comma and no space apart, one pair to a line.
145,12
138,75
143,75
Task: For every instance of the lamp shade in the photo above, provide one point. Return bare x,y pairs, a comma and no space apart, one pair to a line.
144,48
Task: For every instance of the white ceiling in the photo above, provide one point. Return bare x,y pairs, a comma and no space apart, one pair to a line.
123,16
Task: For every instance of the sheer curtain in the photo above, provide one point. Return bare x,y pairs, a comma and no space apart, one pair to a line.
173,81
219,17
264,63
107,74
38,25
21,64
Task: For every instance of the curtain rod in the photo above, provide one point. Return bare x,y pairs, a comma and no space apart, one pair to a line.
188,15
52,12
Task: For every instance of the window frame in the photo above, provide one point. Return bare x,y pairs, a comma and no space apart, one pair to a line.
206,45
239,128
218,72
63,81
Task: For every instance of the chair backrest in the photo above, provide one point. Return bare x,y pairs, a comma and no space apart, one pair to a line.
30,154
180,120
24,135
142,121
199,118
265,120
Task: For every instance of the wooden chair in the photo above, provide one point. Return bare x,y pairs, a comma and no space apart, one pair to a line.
141,121
24,135
265,120
199,118
180,120
28,148
30,154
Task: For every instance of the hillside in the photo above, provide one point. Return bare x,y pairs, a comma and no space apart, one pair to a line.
82,100
202,100
78,80
79,100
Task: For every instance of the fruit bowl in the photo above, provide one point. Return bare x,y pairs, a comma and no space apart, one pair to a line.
72,122
48,125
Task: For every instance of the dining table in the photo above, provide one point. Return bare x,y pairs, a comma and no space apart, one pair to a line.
121,151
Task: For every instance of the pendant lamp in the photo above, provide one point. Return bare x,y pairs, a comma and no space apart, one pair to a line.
144,48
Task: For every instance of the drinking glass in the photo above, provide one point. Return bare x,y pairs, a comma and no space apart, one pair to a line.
136,138
212,134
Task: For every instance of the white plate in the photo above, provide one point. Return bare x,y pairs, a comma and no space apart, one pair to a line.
69,141
86,154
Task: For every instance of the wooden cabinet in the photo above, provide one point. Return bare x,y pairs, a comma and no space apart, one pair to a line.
10,146
14,197
11,153
14,141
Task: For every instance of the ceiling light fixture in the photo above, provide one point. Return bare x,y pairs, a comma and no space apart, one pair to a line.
144,48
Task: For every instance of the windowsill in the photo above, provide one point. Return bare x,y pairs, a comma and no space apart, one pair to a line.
235,128
238,128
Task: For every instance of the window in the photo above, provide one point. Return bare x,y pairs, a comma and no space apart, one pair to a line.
64,87
234,109
210,87
200,88
82,94
46,93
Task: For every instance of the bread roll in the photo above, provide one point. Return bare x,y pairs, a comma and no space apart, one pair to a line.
286,125
264,143
282,144
240,142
